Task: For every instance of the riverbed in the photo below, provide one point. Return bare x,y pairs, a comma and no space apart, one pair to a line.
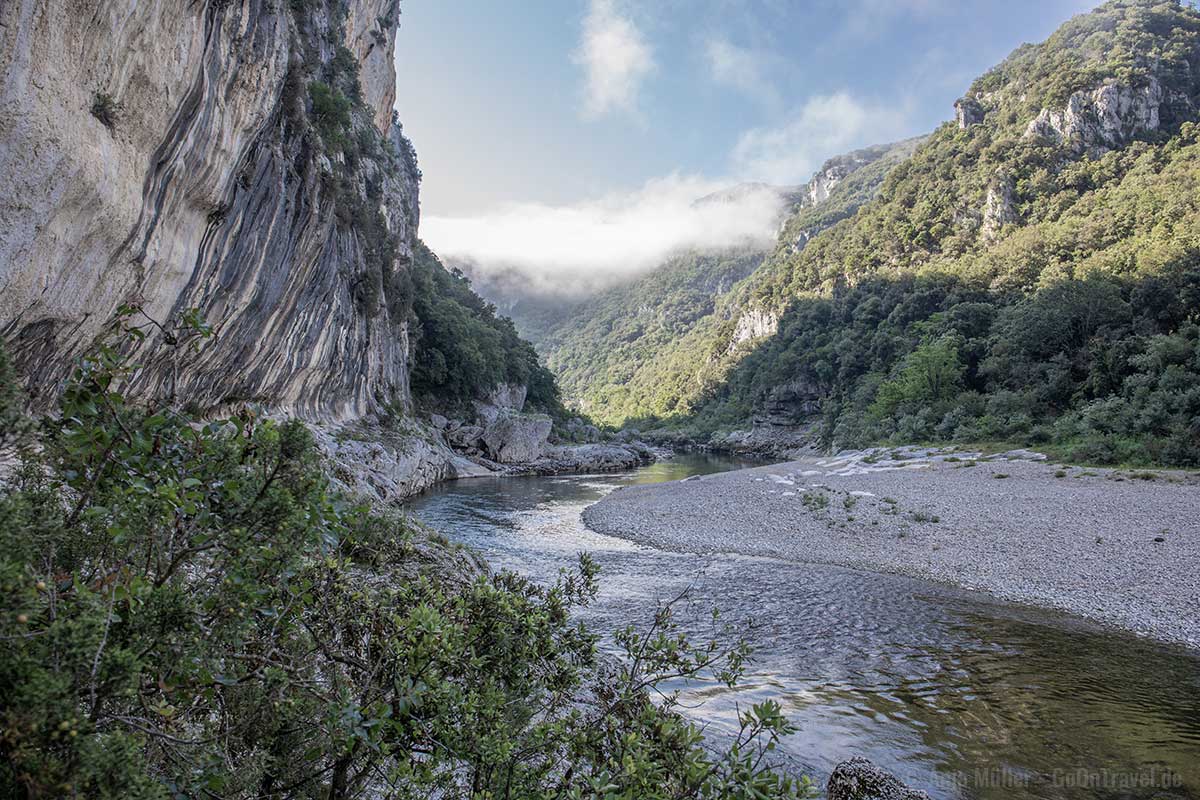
951,691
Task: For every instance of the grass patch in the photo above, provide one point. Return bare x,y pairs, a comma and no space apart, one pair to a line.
815,500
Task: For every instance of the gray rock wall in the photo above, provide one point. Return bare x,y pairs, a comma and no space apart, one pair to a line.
210,189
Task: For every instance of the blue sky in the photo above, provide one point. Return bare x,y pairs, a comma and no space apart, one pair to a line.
539,106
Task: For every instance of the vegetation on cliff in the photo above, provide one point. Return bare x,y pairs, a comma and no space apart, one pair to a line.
598,347
462,349
189,611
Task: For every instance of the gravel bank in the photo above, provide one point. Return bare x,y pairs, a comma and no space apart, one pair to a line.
1116,547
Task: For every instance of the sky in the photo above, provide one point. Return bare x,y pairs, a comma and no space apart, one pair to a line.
562,137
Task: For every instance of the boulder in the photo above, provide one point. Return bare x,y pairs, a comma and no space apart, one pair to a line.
438,421
582,431
600,457
514,438
860,779
510,396
465,436
382,464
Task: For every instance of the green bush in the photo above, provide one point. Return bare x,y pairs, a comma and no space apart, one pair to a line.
190,612
105,108
331,115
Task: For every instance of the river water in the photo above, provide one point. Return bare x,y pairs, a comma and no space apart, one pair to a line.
961,696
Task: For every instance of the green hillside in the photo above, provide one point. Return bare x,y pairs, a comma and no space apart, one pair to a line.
618,355
1031,273
602,343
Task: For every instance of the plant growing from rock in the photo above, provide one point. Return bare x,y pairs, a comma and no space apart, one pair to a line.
105,108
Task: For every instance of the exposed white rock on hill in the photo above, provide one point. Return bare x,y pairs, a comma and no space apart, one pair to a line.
208,187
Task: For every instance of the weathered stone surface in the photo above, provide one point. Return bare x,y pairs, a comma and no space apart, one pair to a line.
465,436
438,421
859,779
386,465
1104,118
594,458
790,403
967,112
205,192
753,324
578,430
769,441
511,396
1000,207
513,438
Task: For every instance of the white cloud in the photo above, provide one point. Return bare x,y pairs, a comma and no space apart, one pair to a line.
573,249
824,126
743,69
616,58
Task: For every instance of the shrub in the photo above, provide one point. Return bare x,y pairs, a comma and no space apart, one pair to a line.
189,611
330,114
105,108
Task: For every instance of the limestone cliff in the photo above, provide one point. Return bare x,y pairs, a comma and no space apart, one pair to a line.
234,157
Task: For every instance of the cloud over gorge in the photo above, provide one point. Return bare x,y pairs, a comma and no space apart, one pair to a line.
824,126
588,245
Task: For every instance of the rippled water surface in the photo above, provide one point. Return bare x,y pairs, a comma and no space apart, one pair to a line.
955,694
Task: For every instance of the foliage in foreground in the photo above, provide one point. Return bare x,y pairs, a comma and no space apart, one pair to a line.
189,612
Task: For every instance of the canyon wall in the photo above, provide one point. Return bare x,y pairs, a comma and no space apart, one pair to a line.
237,158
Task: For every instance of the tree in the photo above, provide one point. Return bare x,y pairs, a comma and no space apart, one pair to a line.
930,375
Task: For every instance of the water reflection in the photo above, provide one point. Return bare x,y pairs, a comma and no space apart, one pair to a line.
968,698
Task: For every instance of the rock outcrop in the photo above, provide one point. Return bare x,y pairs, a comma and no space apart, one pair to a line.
754,323
514,438
209,156
859,779
1000,207
967,112
600,457
388,465
1105,118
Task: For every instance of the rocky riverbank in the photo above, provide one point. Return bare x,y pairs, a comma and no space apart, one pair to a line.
1116,547
392,459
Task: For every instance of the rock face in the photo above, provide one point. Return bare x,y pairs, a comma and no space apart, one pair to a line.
602,457
1105,118
967,112
168,156
754,324
836,170
1000,207
513,438
859,779
383,465
579,430
790,404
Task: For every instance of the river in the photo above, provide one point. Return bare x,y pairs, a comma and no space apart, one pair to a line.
954,693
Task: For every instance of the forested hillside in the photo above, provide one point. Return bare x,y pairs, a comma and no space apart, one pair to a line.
615,354
462,349
1029,274
603,341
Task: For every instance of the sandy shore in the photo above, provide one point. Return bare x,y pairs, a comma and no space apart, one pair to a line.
1116,547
